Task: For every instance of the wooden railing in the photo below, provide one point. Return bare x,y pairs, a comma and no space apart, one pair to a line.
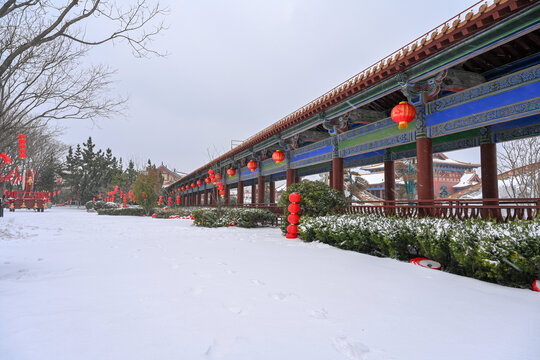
501,210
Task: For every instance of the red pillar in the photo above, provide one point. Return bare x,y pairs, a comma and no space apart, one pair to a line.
240,193
290,177
199,198
337,174
331,178
490,184
205,196
253,193
260,194
227,197
424,173
389,180
272,192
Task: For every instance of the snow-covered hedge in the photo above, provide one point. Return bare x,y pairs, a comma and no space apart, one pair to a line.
503,253
163,213
129,211
241,217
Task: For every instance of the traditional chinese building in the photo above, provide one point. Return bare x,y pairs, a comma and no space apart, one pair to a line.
449,176
169,177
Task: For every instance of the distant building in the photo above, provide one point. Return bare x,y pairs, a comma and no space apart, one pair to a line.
169,176
449,176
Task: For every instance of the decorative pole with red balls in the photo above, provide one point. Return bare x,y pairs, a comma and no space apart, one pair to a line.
293,218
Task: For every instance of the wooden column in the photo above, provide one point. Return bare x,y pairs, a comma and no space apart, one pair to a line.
272,192
490,183
205,196
199,197
227,197
260,192
290,177
337,174
389,180
253,193
424,173
240,193
331,178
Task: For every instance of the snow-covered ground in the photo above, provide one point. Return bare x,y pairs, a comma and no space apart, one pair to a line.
75,285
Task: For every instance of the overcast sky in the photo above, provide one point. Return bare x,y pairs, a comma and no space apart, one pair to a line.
238,66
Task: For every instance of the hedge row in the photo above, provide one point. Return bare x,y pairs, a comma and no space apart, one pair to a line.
507,254
129,211
164,213
241,217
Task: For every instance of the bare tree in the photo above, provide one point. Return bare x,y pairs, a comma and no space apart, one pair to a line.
519,168
42,45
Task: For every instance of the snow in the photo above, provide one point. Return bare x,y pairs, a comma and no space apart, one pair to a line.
465,181
75,285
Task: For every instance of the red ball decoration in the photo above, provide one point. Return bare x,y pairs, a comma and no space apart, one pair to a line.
403,114
293,218
294,197
278,156
252,165
231,172
222,192
219,183
292,229
294,208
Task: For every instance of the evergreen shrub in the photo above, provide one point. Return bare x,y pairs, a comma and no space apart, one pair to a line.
242,217
316,199
89,205
129,211
507,254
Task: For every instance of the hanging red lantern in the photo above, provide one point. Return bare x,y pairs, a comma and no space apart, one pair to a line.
218,176
231,172
199,182
193,185
22,146
278,156
403,114
293,218
252,165
169,201
207,180
219,183
294,208
6,158
187,187
210,172
177,199
292,229
222,192
294,197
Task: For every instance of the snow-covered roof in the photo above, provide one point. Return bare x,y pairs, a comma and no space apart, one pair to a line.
467,180
377,178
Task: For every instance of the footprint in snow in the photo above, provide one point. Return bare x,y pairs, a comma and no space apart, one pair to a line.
351,349
320,314
237,310
257,282
281,296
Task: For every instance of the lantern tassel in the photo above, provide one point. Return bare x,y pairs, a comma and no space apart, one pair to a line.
403,125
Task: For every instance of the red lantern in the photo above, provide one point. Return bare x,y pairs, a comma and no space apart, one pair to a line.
144,195
222,192
403,113
294,197
6,158
193,185
177,199
278,156
231,172
199,182
294,208
293,218
218,176
160,200
292,229
187,187
207,180
219,183
252,165
22,146
169,201
210,172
